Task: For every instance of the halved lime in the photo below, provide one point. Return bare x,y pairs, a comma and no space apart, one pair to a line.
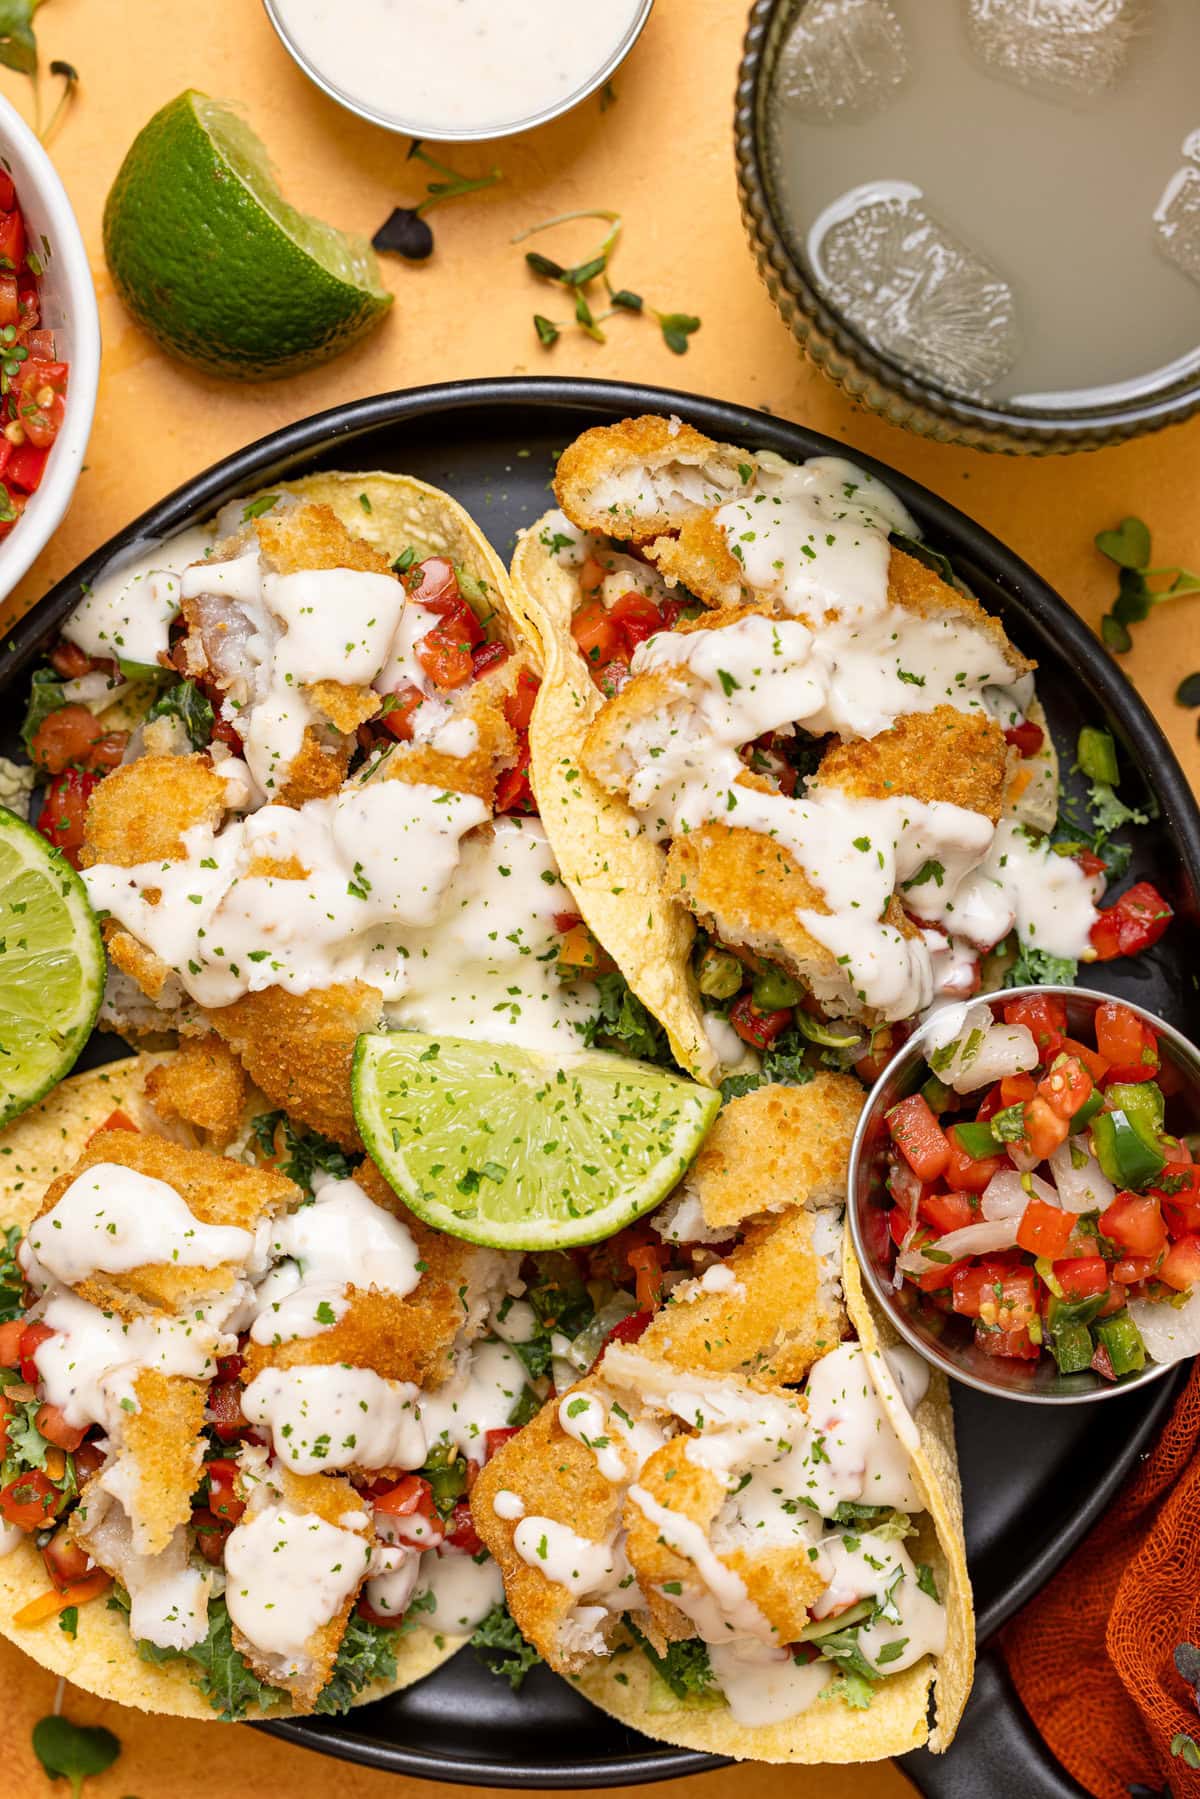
212,260
518,1150
51,966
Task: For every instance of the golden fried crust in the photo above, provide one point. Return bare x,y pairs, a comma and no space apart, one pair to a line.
960,758
316,771
495,749
603,752
139,813
202,1084
773,1325
556,1477
699,558
165,1437
312,536
215,1190
778,1147
333,1499
133,958
298,1047
921,590
345,707
643,476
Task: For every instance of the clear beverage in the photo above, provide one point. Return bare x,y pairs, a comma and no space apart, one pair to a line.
1003,195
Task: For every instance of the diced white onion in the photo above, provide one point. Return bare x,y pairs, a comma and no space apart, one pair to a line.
1169,1332
972,1240
95,690
1006,1049
1083,1189
1006,1194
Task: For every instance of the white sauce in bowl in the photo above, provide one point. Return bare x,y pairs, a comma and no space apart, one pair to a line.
461,67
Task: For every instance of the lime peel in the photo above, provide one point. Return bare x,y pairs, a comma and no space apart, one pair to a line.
519,1150
51,966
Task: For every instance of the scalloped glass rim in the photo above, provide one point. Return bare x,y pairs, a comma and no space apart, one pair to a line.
874,380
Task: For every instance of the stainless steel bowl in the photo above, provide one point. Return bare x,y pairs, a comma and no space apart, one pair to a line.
954,1351
461,133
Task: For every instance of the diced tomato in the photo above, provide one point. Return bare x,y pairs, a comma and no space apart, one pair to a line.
1045,1230
636,617
52,1423
757,1028
30,1501
1091,1058
229,1367
1044,1129
1181,1265
41,400
445,652
398,719
1026,737
1090,863
1016,1345
1042,1015
594,631
1179,1191
32,1338
1067,1087
89,1459
968,1174
496,1439
65,1560
1016,1089
223,1499
919,1137
1132,923
1135,1221
611,676
116,1121
10,301
514,792
432,582
944,1212
64,812
461,1532
1128,1046
1000,1293
8,193
646,1261
10,1342
518,707
1131,1271
41,345
64,737
211,1533
408,1495
225,1410
12,235
27,464
941,1277
628,1330
68,660
487,656
1081,1276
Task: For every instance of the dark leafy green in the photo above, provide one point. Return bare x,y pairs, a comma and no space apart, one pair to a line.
185,702
502,1649
305,1151
1038,968
685,1667
45,696
12,1281
783,1065
367,1652
622,1023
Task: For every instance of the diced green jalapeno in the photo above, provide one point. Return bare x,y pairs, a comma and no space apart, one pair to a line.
1097,754
773,990
1008,1125
1069,1337
1123,1341
936,1094
976,1140
1141,1101
720,974
1087,1110
1127,1154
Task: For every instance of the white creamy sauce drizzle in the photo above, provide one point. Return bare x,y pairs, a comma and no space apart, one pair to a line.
585,1417
294,630
815,539
763,1685
478,1397
563,1556
114,1219
288,1573
336,1417
90,1365
128,613
506,1505
464,1590
865,1566
340,1238
474,65
723,1608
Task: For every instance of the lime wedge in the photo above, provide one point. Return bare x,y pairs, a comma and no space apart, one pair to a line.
514,1149
216,265
51,966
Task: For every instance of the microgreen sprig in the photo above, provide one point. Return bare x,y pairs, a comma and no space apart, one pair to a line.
405,231
19,51
676,327
1128,545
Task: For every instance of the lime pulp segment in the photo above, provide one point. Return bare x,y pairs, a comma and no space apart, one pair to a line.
517,1150
51,966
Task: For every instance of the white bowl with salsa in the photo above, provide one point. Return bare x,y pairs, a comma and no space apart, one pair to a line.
49,357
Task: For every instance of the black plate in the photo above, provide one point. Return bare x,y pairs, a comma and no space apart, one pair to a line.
1033,1478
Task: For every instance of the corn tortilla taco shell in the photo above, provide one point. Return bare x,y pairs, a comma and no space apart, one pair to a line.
102,1658
897,1719
613,869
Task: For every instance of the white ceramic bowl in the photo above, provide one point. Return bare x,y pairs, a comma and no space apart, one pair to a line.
69,310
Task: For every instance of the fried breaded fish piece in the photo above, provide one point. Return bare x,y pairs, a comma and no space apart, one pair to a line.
102,1528
958,758
202,1085
644,476
303,1497
777,1147
140,813
481,708
215,1190
416,1338
155,1467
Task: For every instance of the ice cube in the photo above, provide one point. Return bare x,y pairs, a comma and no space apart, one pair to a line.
1177,220
842,60
913,290
1055,47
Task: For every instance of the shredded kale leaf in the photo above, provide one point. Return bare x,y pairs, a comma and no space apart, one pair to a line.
306,1151
559,1295
623,1024
502,1649
685,1667
783,1064
1038,968
852,1689
185,702
1109,812
45,696
12,1281
366,1653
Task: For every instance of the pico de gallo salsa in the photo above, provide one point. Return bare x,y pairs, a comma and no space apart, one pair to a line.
1036,1190
33,382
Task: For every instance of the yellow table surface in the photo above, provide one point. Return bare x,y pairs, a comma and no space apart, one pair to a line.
662,156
